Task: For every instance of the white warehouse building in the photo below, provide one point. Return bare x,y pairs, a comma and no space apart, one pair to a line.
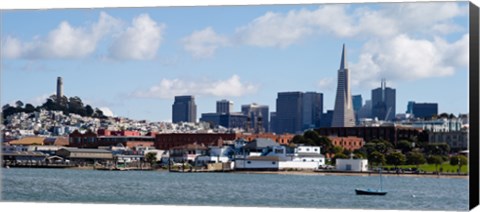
356,165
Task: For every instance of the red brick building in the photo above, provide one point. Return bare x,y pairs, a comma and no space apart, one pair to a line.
167,141
351,143
280,139
105,138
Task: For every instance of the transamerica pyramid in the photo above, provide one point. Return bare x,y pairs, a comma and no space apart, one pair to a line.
343,115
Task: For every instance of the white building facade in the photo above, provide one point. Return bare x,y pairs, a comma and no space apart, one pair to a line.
356,165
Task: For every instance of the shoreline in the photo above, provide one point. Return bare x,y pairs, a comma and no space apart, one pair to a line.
296,172
363,174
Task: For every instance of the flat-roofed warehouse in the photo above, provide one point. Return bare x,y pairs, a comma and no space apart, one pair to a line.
86,154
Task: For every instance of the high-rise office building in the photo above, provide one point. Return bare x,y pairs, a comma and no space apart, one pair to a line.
366,110
343,115
357,102
410,107
224,106
312,109
258,116
289,112
59,88
273,122
383,102
326,120
184,109
425,110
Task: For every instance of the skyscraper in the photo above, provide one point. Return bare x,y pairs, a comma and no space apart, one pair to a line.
258,116
289,112
59,88
343,115
312,110
184,109
425,110
383,102
357,102
224,106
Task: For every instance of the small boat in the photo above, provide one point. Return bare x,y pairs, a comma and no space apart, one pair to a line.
369,192
372,191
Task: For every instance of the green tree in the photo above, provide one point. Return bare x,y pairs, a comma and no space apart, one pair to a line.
89,110
415,158
436,149
376,158
19,104
459,161
435,159
337,150
29,108
396,158
405,146
151,158
326,144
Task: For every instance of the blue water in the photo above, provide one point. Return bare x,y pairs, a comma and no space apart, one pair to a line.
231,189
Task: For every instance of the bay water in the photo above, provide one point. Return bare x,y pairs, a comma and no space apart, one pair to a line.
230,189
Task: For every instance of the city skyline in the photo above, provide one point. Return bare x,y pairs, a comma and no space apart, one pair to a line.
214,60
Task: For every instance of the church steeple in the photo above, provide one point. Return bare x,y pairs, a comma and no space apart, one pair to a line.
343,61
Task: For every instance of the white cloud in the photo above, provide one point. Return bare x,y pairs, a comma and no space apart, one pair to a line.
204,43
140,41
284,29
406,58
106,111
63,42
326,83
168,88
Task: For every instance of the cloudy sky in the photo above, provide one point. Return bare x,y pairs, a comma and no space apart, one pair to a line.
133,61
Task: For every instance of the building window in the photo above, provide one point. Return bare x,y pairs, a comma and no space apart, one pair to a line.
304,160
249,162
315,150
308,149
273,162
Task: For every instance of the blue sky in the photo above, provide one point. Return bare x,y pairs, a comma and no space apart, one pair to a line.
133,61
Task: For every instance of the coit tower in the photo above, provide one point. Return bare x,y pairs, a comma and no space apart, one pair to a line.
59,88
343,115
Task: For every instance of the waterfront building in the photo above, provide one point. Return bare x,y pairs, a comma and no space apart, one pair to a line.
90,139
258,116
312,110
357,165
187,153
424,110
343,115
166,141
289,112
184,109
383,102
89,156
224,106
275,157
